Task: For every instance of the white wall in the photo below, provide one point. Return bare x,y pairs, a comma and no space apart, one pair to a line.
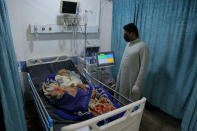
25,12
106,25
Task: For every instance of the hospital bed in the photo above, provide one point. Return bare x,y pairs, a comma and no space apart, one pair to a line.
38,69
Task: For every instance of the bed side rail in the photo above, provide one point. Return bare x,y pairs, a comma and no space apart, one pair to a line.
45,60
88,76
44,116
130,120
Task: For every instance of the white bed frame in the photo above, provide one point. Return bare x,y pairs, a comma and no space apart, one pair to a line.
130,121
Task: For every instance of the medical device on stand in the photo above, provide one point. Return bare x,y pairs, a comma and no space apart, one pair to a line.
88,59
90,62
98,64
85,19
99,70
104,61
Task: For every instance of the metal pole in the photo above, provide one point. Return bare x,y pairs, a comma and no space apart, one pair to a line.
85,44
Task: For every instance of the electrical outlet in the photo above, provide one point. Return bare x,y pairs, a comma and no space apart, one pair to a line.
60,29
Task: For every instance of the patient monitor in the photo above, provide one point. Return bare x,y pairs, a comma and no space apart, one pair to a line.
105,59
69,7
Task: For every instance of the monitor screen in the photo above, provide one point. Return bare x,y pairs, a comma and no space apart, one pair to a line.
69,7
105,59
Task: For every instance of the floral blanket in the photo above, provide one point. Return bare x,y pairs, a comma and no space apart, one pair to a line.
85,104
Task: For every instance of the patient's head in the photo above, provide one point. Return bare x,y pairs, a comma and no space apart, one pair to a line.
63,72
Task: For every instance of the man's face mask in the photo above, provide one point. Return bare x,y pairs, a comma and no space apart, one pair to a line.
126,38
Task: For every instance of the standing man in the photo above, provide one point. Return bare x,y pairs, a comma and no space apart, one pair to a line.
133,65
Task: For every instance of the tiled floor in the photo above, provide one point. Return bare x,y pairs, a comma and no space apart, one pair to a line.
156,120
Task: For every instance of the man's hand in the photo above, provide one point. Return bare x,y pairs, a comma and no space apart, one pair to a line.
135,89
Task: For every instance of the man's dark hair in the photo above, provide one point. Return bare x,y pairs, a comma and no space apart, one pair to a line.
131,28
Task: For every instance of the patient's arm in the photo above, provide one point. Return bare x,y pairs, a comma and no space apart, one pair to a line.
83,86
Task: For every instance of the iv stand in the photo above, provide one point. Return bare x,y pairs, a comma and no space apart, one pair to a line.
85,32
85,44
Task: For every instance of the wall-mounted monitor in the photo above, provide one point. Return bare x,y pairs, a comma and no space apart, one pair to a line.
69,7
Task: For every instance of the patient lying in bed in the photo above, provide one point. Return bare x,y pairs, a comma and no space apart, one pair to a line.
73,98
64,81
